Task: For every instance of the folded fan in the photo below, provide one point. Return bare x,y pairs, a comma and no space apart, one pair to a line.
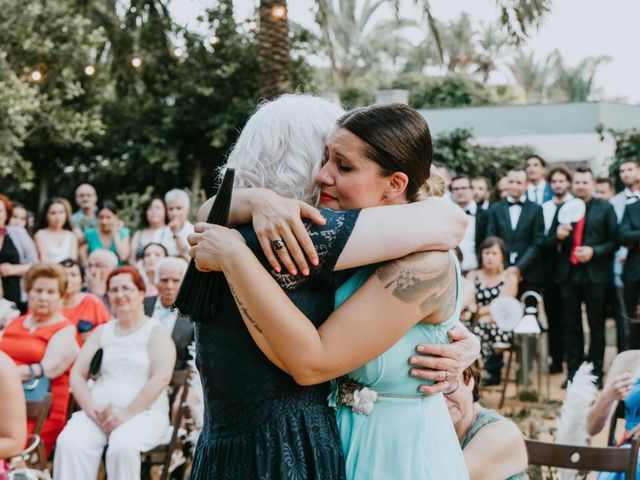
198,295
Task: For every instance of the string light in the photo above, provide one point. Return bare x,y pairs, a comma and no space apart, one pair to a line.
89,70
252,26
178,52
136,62
214,40
278,12
35,76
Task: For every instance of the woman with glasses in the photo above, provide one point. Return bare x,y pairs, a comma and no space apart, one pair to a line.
127,409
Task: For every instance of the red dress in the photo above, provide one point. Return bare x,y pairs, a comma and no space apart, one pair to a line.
87,315
26,347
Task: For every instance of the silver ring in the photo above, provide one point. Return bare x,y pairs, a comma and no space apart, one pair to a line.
277,244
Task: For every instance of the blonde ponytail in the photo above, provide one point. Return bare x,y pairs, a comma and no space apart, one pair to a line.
433,187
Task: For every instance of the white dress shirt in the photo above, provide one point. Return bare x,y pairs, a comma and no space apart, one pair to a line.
549,211
468,244
515,210
164,315
535,193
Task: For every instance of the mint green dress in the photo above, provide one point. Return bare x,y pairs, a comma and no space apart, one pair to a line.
407,436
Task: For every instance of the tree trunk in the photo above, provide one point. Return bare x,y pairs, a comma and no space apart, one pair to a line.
196,182
274,53
44,191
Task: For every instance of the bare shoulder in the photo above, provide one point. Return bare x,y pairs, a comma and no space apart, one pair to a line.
424,278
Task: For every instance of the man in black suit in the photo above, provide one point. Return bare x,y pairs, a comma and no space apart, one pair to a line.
519,223
584,270
630,238
169,274
560,181
476,232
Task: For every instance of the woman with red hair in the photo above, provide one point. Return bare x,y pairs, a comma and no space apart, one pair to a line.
127,409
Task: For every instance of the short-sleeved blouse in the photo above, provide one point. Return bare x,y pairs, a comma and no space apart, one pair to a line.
259,423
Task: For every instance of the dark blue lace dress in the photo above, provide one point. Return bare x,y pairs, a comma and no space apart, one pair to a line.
259,424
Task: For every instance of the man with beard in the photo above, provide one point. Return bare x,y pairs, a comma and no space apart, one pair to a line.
559,179
481,192
630,178
584,270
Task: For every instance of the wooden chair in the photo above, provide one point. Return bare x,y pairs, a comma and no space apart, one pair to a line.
604,459
618,413
35,454
161,455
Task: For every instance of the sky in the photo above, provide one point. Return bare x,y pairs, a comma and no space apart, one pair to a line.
577,28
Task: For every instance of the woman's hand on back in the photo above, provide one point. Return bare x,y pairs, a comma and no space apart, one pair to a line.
212,244
278,218
444,363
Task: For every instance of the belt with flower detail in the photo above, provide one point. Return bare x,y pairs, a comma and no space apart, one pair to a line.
360,398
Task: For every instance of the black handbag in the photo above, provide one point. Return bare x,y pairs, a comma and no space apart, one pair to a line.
96,363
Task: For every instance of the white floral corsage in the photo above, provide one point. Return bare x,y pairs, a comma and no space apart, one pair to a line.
356,396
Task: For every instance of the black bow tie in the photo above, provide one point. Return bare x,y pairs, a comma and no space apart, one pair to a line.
514,203
633,195
468,212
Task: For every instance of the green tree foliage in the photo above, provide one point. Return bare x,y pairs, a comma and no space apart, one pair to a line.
627,146
49,44
457,151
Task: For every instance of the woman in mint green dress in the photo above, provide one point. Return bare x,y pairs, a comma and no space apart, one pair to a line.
378,155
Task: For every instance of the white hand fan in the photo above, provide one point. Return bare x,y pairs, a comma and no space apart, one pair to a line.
506,312
572,211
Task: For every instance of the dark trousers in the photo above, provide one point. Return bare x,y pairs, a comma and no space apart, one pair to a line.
631,298
555,319
615,298
575,292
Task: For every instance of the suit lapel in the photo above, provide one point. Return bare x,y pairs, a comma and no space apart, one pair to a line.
507,218
523,211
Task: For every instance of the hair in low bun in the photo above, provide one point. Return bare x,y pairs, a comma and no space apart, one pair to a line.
433,187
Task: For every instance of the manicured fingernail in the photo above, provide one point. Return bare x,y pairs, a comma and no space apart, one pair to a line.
412,359
420,349
277,269
305,272
294,271
412,372
315,261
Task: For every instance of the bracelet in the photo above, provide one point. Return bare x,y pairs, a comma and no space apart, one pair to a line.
39,365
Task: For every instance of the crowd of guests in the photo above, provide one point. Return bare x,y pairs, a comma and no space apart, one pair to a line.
516,243
79,288
82,282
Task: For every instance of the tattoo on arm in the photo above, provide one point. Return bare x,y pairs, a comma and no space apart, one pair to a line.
423,278
244,310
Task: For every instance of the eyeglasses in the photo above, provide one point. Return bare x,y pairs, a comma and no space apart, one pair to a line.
455,189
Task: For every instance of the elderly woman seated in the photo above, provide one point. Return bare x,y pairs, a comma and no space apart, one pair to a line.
43,343
492,445
127,408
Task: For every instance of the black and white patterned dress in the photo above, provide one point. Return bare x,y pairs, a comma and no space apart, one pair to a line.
489,333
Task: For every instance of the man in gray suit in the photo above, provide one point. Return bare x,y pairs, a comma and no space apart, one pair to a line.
168,277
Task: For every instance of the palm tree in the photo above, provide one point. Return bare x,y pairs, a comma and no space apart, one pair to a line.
491,47
274,49
531,75
575,84
354,46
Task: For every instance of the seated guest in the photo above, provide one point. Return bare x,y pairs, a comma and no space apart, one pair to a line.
153,218
111,234
623,384
19,216
17,254
54,236
13,415
492,445
151,255
174,235
84,310
169,274
43,343
99,265
127,409
491,281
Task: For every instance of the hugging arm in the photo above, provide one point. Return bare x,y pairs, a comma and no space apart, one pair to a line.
396,297
381,233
